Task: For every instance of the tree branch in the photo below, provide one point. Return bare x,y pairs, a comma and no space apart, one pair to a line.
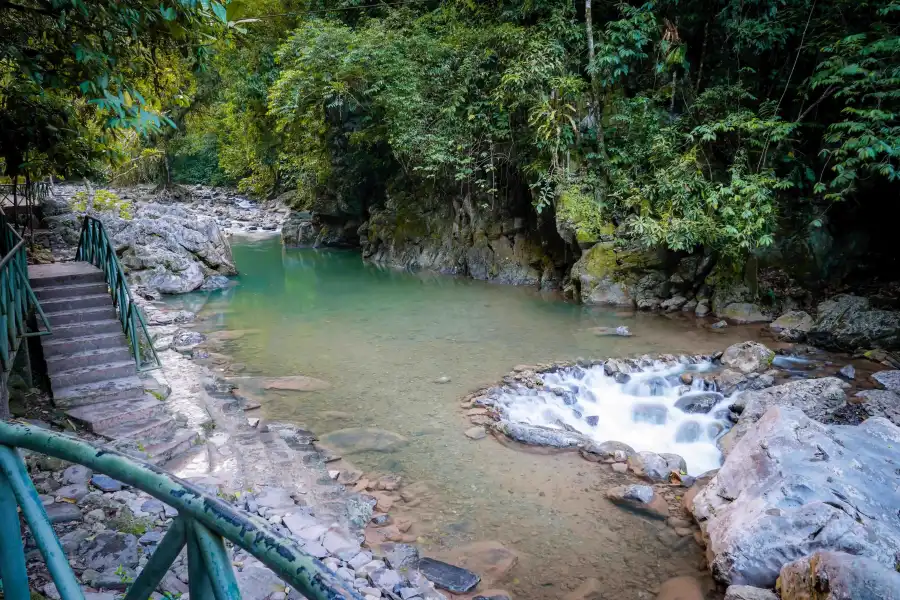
828,91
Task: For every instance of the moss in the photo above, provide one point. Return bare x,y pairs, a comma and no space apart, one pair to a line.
584,213
126,522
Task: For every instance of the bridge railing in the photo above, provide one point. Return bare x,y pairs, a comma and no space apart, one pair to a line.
202,524
94,247
17,299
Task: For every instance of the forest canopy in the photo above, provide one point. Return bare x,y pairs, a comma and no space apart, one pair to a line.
674,123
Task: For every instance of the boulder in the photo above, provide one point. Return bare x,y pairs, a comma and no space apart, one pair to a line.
698,402
742,313
792,486
867,404
641,499
607,451
838,576
817,398
849,323
890,380
794,320
747,357
535,435
656,467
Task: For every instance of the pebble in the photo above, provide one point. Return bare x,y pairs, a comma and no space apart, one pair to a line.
442,379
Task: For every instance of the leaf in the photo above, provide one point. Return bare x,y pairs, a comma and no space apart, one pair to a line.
220,11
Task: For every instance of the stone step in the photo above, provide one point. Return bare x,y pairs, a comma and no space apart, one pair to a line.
161,427
125,388
70,291
76,330
70,346
59,274
110,417
93,373
81,315
162,452
58,363
71,303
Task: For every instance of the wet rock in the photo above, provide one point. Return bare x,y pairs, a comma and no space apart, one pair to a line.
108,550
592,420
743,312
746,592
535,435
641,499
681,588
104,483
703,308
62,512
747,357
719,325
607,451
489,558
656,414
185,338
794,320
792,486
698,402
688,432
364,439
848,372
838,576
76,474
448,577
656,467
889,379
476,433
817,398
849,323
215,282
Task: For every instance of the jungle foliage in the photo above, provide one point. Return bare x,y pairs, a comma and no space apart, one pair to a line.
681,123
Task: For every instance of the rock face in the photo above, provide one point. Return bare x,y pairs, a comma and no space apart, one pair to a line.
162,247
747,357
838,576
817,398
849,323
792,486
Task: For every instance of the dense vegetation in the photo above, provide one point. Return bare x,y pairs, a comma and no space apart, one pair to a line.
678,123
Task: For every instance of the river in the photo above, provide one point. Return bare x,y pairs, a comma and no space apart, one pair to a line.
383,339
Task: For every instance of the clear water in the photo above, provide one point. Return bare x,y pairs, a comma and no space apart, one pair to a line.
382,338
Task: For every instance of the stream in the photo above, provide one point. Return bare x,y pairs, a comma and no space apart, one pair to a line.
399,351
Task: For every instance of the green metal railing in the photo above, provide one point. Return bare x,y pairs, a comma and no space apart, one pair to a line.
94,247
202,524
17,299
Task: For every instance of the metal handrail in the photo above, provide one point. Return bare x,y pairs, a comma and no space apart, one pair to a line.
202,523
94,247
17,299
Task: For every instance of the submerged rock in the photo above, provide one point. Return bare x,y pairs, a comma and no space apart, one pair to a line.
743,312
364,439
838,576
849,323
295,383
792,486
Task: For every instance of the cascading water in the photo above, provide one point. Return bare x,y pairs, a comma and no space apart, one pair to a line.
652,409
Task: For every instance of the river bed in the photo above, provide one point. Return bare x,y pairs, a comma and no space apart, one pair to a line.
399,350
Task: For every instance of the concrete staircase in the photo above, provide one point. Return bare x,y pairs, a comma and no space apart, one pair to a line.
92,372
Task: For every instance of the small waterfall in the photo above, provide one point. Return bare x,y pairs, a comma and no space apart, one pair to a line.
651,408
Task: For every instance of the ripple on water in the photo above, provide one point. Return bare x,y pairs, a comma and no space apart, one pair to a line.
654,410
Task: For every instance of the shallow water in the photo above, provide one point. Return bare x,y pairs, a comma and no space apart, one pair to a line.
383,338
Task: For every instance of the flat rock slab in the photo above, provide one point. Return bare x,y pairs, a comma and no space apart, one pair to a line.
105,483
109,550
448,577
792,486
364,439
63,512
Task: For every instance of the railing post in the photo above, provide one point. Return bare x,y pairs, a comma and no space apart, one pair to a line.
160,561
218,565
33,510
200,587
12,554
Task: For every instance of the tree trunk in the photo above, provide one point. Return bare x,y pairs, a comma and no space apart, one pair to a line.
597,99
